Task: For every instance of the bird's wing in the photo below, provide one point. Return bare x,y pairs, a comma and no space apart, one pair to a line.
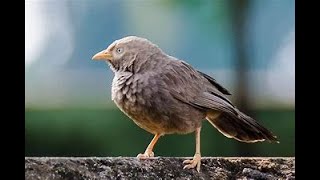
191,87
215,83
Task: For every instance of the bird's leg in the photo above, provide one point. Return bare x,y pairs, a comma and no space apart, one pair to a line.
196,161
148,153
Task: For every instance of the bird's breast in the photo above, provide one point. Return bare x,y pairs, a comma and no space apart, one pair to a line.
151,107
133,96
127,94
125,90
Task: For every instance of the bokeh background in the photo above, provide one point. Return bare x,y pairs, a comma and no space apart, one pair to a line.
248,46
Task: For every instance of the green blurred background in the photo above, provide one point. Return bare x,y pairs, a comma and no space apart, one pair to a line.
247,45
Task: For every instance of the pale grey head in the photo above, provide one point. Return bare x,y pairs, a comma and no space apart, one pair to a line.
124,52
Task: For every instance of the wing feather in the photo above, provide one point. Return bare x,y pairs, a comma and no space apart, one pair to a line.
193,87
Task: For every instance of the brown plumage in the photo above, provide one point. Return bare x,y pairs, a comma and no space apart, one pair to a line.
164,95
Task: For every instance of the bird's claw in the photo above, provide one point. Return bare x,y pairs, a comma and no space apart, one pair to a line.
196,161
145,155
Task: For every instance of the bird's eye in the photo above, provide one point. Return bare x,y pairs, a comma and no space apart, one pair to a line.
119,50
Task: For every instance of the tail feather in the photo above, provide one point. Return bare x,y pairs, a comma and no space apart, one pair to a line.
241,127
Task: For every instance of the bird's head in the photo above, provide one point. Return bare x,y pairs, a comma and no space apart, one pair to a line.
123,53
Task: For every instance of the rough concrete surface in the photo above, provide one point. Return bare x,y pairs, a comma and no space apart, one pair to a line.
78,168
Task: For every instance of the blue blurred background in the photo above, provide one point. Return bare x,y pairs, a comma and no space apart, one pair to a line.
248,46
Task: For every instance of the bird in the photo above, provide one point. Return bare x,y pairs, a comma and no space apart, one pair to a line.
165,95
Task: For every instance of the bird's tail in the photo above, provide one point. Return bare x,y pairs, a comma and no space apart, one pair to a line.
241,127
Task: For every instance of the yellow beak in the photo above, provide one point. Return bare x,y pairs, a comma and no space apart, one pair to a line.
103,55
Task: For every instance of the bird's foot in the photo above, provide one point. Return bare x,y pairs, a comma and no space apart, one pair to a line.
145,155
196,161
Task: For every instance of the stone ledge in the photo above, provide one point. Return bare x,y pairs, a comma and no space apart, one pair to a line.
158,168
